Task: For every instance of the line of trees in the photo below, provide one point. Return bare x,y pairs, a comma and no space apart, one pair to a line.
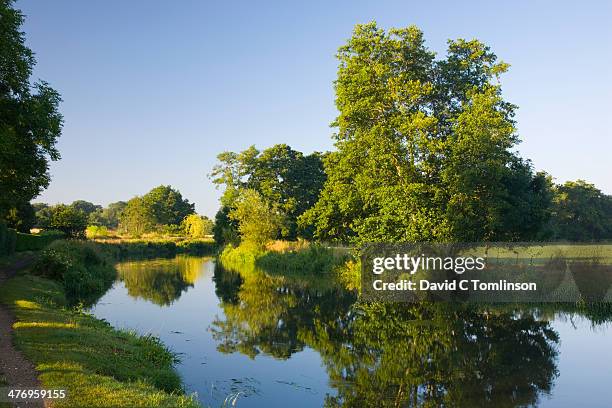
163,209
425,151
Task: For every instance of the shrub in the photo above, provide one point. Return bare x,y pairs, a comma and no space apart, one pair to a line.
79,266
96,231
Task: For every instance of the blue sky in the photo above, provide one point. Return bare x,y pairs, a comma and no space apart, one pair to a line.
153,90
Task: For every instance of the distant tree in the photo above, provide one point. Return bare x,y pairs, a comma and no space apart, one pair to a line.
258,222
197,226
85,206
168,205
69,220
109,216
137,217
30,122
581,212
282,176
21,218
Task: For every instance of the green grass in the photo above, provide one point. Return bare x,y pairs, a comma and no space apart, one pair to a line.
314,259
98,366
309,260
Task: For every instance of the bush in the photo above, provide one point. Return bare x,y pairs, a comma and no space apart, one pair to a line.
29,242
79,266
96,231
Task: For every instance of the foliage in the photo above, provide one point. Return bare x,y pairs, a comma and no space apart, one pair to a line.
96,364
109,216
580,212
258,223
167,205
313,260
196,226
161,208
31,242
69,220
94,231
281,175
225,230
137,217
424,147
21,217
30,122
84,272
86,207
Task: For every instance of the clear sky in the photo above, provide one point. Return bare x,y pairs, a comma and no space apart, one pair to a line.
153,90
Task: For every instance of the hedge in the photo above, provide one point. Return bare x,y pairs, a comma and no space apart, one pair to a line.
29,242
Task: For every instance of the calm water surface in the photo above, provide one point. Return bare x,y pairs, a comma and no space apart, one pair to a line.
262,340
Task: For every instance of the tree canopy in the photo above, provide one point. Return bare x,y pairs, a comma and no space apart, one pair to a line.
30,122
285,178
424,146
580,212
162,206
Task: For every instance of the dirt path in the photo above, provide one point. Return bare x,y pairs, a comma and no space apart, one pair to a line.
16,369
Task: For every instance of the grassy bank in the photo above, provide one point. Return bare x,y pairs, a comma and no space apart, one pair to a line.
303,259
83,270
97,365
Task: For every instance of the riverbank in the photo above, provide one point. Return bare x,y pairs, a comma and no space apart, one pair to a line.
121,248
286,258
97,365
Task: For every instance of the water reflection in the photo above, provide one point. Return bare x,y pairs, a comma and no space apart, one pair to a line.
373,354
161,281
390,354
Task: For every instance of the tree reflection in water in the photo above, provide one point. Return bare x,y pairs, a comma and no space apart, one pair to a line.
390,355
161,281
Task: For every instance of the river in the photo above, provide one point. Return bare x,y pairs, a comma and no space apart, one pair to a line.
257,340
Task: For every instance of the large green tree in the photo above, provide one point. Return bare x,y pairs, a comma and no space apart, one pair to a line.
287,179
424,147
30,122
258,222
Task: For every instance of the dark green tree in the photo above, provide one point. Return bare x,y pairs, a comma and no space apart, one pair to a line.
30,122
580,212
21,218
69,220
85,206
168,205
